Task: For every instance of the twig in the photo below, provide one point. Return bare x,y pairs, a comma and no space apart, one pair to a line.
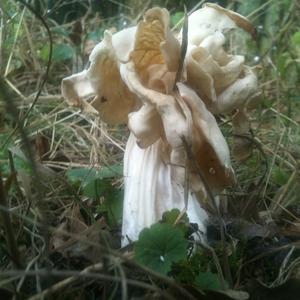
74,276
66,282
145,7
2,35
167,280
272,164
124,279
49,58
259,185
14,44
22,122
284,191
283,266
189,13
269,252
31,47
284,116
10,237
12,110
14,174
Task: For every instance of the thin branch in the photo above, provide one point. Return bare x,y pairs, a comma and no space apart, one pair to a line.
73,276
9,233
106,251
49,57
22,122
14,44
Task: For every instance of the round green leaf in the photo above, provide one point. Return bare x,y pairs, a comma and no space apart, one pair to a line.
159,246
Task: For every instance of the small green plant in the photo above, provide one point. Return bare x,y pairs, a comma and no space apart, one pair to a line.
159,246
208,281
97,184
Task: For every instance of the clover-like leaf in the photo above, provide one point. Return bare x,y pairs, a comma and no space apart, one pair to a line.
159,246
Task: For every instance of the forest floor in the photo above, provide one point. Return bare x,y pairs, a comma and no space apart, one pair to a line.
61,185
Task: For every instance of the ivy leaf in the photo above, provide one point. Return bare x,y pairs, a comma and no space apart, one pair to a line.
208,281
159,246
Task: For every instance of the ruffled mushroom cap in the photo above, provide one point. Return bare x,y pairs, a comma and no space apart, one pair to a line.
209,145
137,68
112,99
214,18
169,115
223,81
131,79
211,74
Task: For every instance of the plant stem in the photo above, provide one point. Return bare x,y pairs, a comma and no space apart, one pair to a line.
9,233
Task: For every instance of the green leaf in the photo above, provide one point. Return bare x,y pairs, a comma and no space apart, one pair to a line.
177,18
60,52
4,163
61,31
279,175
295,43
112,207
159,246
272,17
86,175
208,281
171,216
95,35
96,183
82,175
98,188
111,171
296,39
21,162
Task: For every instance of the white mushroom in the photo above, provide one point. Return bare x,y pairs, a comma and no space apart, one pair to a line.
132,78
222,80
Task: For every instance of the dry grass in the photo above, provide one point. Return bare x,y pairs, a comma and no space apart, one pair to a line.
47,212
